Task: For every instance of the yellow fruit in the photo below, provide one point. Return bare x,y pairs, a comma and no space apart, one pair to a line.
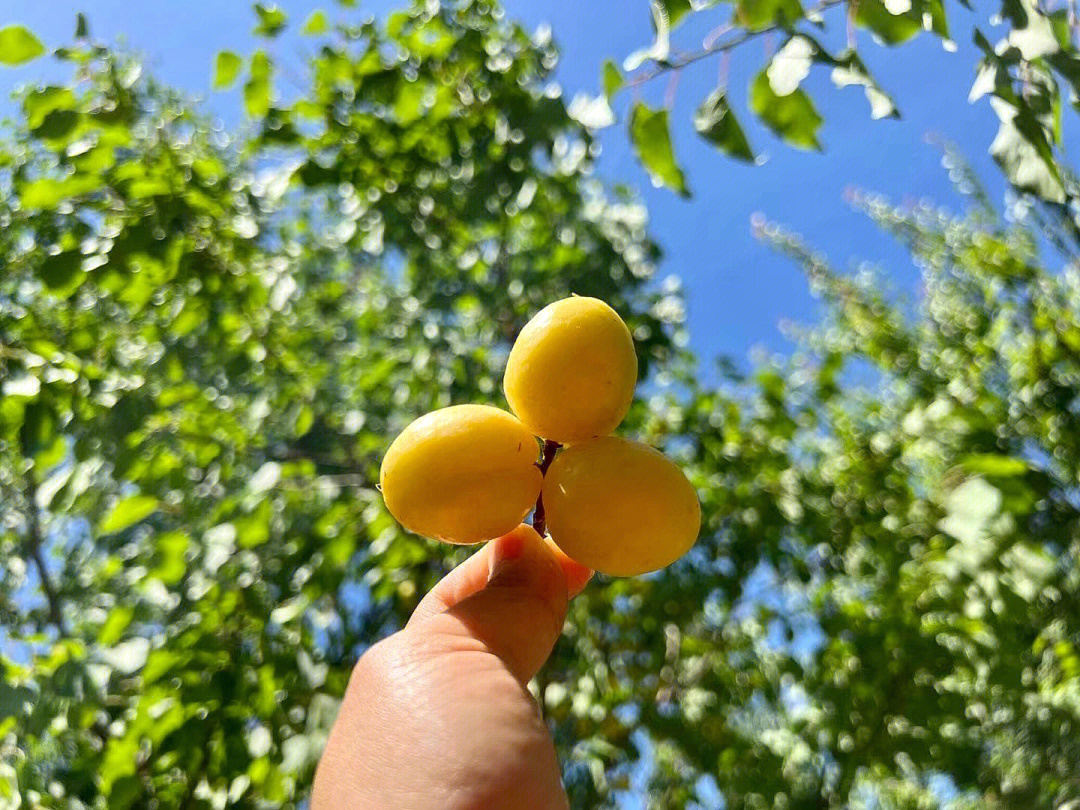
571,373
462,474
620,507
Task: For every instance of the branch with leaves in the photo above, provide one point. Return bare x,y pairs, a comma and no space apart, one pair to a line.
1025,75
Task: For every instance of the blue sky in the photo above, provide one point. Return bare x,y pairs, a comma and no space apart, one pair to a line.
738,290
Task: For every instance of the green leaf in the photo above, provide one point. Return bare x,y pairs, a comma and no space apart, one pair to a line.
289,609
316,23
850,70
613,79
226,68
757,15
892,29
994,465
716,122
117,622
651,137
82,28
254,529
791,64
939,21
257,89
1022,151
661,47
676,10
62,273
159,662
171,557
40,103
272,20
409,105
305,418
18,45
38,433
58,125
792,117
14,700
1032,32
127,512
47,192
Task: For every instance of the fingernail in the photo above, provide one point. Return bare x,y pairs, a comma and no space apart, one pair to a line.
507,549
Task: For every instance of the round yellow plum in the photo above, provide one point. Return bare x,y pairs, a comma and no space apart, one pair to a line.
462,474
620,507
572,370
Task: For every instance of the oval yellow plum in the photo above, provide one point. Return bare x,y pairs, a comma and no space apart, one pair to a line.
620,507
462,474
572,370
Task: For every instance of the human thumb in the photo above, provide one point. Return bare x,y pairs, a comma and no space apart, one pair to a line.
518,613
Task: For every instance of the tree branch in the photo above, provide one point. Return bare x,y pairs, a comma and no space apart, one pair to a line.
34,540
714,45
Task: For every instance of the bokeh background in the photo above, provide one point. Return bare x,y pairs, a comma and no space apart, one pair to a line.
738,290
242,247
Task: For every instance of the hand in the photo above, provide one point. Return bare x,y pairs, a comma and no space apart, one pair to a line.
438,715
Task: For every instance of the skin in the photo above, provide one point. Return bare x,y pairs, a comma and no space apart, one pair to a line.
620,507
572,370
438,715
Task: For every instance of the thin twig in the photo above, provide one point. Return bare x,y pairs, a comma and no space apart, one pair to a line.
550,449
669,93
715,34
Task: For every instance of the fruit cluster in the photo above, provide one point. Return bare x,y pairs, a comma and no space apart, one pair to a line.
470,473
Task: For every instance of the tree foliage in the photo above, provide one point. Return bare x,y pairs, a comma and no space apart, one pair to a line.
207,342
1030,75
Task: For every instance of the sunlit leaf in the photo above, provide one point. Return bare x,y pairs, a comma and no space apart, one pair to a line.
272,19
316,23
651,138
258,88
47,192
227,67
995,465
756,15
613,79
592,112
127,512
18,45
792,117
851,71
661,46
891,26
115,625
715,121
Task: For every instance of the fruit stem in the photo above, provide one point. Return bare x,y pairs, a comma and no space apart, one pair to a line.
550,449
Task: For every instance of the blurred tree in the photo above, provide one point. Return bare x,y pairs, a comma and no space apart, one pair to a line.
207,342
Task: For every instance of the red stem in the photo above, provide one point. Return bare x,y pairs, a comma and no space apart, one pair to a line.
550,449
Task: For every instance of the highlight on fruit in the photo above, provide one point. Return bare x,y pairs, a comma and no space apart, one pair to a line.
470,473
